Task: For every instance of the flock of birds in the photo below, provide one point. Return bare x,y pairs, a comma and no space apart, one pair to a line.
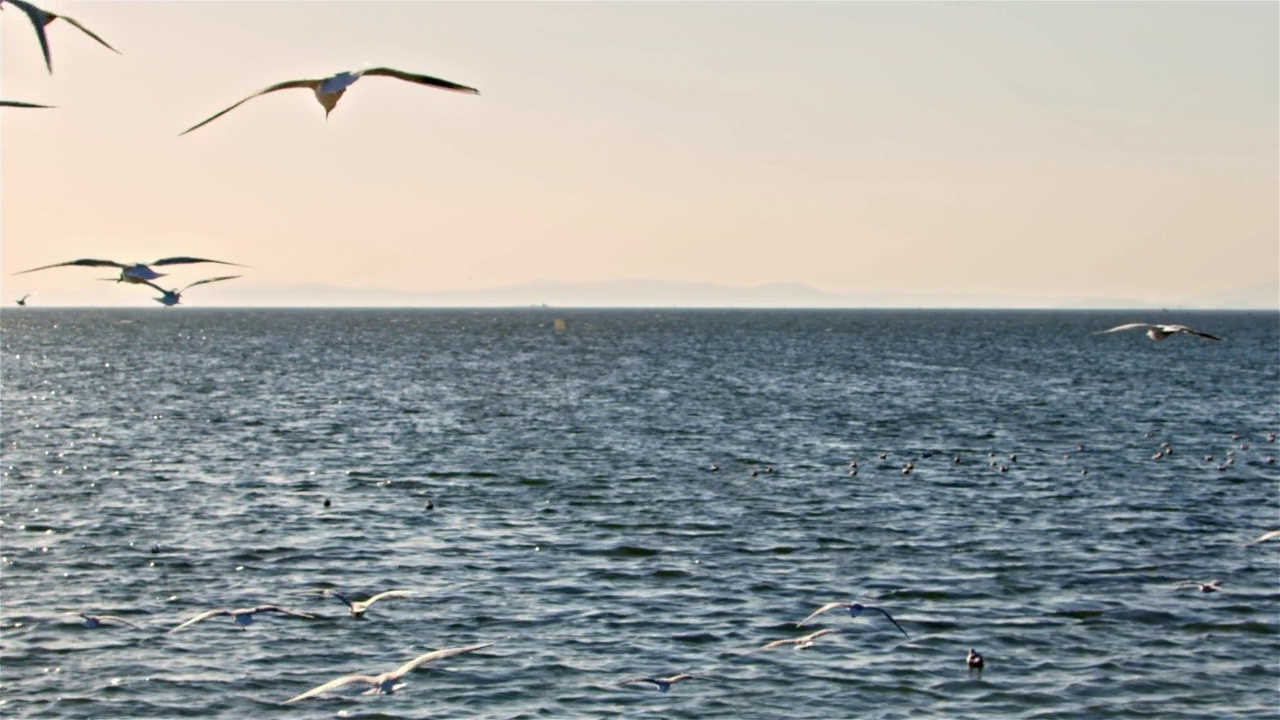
141,274
327,92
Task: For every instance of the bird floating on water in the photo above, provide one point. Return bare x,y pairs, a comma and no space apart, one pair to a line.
802,642
1211,586
40,19
169,298
974,660
243,616
662,683
855,609
93,621
19,103
131,272
1160,332
386,682
359,607
329,90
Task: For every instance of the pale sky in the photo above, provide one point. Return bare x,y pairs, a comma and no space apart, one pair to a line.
1022,149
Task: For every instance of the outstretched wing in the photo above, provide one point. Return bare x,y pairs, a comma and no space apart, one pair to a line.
202,616
387,594
1190,331
37,16
640,679
884,612
1264,537
347,680
209,280
1129,326
408,667
420,79
824,608
287,85
19,103
83,262
89,32
183,259
283,611
120,620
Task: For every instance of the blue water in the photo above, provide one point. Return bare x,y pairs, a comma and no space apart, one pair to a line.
159,463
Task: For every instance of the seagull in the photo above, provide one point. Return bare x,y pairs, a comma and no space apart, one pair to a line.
662,683
386,682
23,300
358,607
131,273
974,660
169,298
855,609
19,103
1160,332
1264,537
1211,586
242,616
93,621
802,642
41,18
329,90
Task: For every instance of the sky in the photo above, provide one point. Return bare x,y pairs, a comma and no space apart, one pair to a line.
1028,152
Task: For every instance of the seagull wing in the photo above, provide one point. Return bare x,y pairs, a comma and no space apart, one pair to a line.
1129,326
283,611
89,32
640,679
419,79
37,21
346,680
387,594
408,667
120,620
83,262
18,103
182,260
1264,537
202,616
201,282
780,643
884,612
824,608
1190,331
287,85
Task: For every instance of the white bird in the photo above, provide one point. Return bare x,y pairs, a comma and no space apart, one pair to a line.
19,103
329,90
662,683
131,272
802,642
41,18
93,621
1211,586
242,616
169,298
1264,537
1160,332
386,682
855,609
359,607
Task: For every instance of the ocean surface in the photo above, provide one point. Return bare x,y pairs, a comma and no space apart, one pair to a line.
639,492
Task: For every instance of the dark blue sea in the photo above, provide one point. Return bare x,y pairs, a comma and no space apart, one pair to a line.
639,492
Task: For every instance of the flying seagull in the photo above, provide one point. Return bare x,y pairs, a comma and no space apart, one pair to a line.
242,616
359,607
23,300
1211,586
329,90
1160,332
386,682
93,621
662,683
134,272
1264,537
41,18
855,609
169,298
800,643
19,103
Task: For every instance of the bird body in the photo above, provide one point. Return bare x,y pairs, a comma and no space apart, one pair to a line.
330,89
386,682
169,298
138,273
855,609
242,616
40,18
662,683
1211,586
359,607
974,660
1160,332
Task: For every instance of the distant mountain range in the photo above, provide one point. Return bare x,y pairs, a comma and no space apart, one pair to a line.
663,293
